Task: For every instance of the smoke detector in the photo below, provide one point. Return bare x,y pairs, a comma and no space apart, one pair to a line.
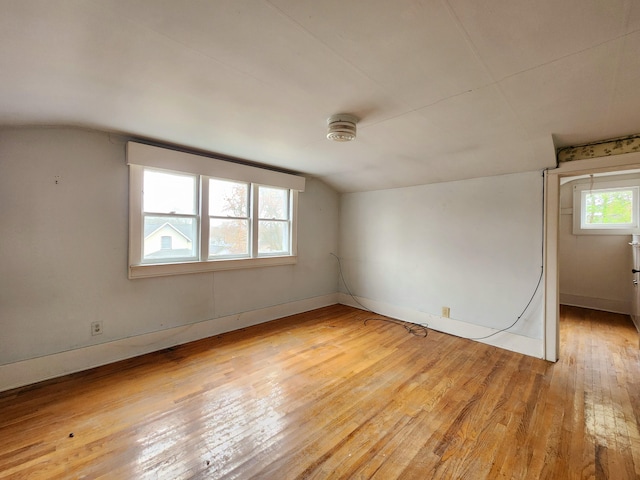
341,127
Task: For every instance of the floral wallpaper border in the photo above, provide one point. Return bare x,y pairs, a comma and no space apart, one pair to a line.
616,146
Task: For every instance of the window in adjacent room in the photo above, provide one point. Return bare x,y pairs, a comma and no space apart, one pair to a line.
606,208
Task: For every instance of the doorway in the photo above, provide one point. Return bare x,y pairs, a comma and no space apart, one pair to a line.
617,163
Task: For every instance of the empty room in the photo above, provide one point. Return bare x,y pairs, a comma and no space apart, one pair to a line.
275,239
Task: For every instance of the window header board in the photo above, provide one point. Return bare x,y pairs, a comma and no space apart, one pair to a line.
163,158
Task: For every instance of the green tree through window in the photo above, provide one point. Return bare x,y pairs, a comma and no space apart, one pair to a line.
609,207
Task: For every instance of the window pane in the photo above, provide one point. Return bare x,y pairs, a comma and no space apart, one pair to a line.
608,207
169,193
228,199
228,237
170,238
273,203
273,237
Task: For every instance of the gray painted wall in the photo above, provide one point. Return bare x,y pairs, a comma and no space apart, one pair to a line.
63,251
474,246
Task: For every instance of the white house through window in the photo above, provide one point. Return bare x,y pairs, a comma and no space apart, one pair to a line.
170,217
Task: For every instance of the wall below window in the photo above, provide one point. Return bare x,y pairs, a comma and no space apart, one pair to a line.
64,218
473,246
594,270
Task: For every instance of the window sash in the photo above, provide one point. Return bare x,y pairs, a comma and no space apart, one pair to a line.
206,230
193,198
584,223
188,233
284,216
580,224
203,261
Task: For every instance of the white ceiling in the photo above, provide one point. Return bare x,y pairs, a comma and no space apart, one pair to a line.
445,90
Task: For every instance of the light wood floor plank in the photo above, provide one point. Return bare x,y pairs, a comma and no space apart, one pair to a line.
324,395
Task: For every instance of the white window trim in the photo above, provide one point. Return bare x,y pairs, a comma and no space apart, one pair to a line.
580,189
288,221
140,156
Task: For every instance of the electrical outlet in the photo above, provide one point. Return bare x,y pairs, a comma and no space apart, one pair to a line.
96,328
446,312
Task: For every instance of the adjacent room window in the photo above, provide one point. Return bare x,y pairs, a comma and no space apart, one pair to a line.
192,214
609,208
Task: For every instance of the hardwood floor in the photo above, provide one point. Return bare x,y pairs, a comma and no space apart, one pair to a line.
321,395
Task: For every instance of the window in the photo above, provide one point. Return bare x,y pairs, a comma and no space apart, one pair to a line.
166,242
609,208
190,214
169,211
273,221
229,220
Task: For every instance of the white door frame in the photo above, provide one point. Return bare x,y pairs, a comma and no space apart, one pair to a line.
627,161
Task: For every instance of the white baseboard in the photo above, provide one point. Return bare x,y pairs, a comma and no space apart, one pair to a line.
603,304
34,370
533,347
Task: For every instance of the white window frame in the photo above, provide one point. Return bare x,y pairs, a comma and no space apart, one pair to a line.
141,156
206,219
579,195
256,246
194,216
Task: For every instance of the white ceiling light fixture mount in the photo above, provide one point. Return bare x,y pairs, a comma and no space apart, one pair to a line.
341,127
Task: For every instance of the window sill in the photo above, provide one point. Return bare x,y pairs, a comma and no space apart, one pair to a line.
166,269
606,231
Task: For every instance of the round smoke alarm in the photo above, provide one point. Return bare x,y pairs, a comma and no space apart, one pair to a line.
342,127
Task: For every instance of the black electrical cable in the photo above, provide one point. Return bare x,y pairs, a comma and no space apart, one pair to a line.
347,286
519,316
415,329
537,285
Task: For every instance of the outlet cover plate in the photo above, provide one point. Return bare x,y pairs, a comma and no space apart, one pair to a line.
96,328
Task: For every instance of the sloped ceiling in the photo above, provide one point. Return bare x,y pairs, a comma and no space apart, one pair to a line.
445,90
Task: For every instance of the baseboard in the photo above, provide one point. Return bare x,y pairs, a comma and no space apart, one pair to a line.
34,370
533,347
602,304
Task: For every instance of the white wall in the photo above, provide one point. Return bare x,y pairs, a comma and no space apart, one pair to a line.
594,270
63,261
474,246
